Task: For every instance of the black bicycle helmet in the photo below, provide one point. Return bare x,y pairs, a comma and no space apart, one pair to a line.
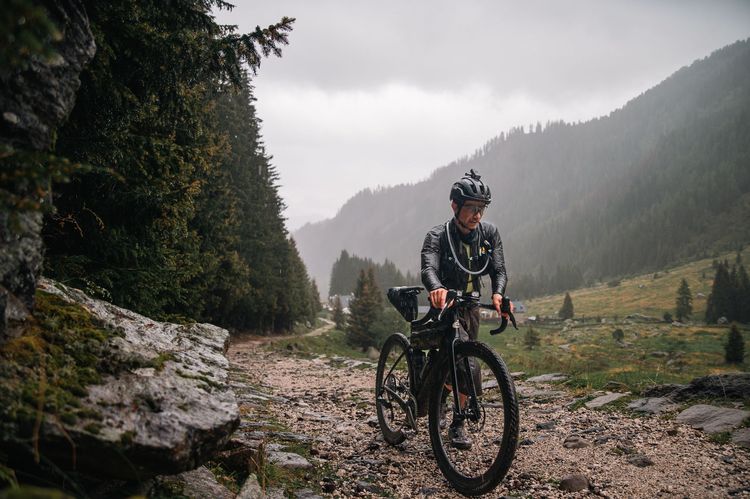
470,187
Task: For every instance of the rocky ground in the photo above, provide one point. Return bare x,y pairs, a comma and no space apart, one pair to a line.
323,409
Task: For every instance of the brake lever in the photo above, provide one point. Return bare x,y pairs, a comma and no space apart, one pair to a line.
447,305
505,314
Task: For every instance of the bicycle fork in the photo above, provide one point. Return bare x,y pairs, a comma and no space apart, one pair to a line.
471,411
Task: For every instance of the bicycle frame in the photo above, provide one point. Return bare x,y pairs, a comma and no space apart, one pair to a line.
422,382
423,389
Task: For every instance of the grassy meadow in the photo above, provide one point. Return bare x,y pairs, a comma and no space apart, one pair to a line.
649,294
332,344
649,353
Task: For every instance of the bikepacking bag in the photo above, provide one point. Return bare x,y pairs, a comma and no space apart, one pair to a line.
404,299
428,338
426,333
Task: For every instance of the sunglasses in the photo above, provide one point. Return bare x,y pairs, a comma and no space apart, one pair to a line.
476,209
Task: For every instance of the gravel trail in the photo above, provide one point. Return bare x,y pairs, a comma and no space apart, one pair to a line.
621,456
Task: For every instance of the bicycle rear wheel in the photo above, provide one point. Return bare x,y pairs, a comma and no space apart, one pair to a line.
393,398
492,433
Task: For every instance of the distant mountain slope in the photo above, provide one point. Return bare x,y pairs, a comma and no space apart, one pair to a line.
666,177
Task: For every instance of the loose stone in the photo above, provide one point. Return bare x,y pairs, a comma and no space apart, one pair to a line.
640,460
575,442
288,460
574,482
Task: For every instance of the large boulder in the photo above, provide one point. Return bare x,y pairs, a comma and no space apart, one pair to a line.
653,405
729,385
163,404
712,419
197,483
35,99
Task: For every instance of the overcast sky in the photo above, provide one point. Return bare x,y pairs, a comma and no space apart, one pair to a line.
374,93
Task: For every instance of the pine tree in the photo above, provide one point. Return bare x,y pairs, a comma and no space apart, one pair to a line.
339,318
734,294
315,304
530,338
618,335
719,302
387,322
734,349
743,296
346,268
566,312
684,301
293,297
153,222
364,308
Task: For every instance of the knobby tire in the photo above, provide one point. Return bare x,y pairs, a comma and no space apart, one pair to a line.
391,417
473,481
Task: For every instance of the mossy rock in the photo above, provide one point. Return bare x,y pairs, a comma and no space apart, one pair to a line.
71,383
46,370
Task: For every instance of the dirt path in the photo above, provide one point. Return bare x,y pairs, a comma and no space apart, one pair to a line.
258,341
332,402
323,329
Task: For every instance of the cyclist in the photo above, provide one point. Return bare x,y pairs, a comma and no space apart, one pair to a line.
455,255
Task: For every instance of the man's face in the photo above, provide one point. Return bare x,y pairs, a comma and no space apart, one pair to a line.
470,214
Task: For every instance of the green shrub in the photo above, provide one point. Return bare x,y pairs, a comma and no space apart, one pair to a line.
734,349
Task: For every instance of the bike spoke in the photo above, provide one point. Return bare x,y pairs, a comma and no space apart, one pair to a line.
485,435
472,443
393,390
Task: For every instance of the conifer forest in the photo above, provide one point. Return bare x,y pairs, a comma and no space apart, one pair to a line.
168,203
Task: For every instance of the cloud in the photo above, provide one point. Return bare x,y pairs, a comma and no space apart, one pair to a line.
380,93
330,144
547,48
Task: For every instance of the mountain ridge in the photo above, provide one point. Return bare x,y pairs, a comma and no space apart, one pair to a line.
545,181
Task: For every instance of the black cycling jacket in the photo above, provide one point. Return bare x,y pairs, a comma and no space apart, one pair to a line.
439,269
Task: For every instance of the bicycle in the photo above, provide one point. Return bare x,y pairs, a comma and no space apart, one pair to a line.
408,386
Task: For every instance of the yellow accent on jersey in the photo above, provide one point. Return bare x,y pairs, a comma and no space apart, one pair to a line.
469,282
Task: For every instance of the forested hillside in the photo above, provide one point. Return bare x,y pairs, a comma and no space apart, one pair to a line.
176,211
666,178
347,267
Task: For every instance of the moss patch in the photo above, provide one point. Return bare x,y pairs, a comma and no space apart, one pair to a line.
721,438
167,490
46,371
228,479
208,382
160,360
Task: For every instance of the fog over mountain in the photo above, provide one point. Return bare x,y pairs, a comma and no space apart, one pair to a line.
666,177
381,93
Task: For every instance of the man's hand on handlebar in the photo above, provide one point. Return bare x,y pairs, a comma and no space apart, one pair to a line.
438,297
497,302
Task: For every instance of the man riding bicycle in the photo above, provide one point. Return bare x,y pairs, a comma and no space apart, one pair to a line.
455,255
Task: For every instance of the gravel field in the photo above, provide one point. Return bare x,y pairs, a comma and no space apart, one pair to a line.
618,455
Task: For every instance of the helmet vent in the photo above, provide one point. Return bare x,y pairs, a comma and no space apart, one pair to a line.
470,187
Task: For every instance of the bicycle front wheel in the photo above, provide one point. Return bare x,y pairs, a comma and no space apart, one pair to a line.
475,453
393,396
